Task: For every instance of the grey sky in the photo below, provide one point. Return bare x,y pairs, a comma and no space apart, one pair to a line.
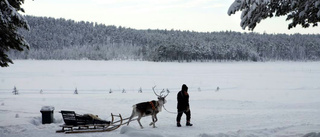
193,15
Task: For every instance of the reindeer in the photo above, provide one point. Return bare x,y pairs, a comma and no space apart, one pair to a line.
149,108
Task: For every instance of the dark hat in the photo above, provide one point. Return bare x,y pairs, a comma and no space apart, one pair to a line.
184,87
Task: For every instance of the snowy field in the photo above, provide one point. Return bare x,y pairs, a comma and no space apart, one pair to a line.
276,99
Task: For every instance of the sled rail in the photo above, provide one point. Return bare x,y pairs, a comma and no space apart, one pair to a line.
75,123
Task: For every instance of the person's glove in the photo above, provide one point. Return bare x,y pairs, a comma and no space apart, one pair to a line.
188,109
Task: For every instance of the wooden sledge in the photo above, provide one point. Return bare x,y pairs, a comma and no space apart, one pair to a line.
75,123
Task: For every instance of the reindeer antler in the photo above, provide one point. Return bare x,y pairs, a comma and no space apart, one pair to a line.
155,91
161,93
167,93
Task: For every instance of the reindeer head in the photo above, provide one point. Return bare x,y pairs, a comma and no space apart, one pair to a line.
161,97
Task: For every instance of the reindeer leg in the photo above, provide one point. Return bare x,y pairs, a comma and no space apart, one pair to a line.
139,122
155,120
132,115
130,119
152,123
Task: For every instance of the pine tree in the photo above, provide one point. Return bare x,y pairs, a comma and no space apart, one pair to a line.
10,21
140,90
76,91
15,91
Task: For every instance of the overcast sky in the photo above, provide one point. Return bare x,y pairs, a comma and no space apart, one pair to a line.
193,15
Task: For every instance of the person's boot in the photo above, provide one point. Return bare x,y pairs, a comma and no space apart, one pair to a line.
188,124
178,124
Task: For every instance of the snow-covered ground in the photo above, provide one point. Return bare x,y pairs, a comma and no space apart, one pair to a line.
254,98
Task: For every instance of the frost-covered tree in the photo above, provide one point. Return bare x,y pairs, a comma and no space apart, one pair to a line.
15,91
301,12
76,91
10,21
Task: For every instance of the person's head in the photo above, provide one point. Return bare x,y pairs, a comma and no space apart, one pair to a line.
184,88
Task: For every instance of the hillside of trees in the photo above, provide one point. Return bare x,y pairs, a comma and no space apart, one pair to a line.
61,39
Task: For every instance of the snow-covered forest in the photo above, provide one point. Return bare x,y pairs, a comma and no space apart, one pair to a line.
51,38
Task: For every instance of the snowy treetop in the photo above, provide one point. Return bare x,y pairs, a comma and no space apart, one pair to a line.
304,12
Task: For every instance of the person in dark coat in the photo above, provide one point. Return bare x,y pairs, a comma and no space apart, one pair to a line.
183,105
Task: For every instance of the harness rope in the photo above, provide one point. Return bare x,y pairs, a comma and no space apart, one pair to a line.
173,112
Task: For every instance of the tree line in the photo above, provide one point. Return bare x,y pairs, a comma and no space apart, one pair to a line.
60,39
